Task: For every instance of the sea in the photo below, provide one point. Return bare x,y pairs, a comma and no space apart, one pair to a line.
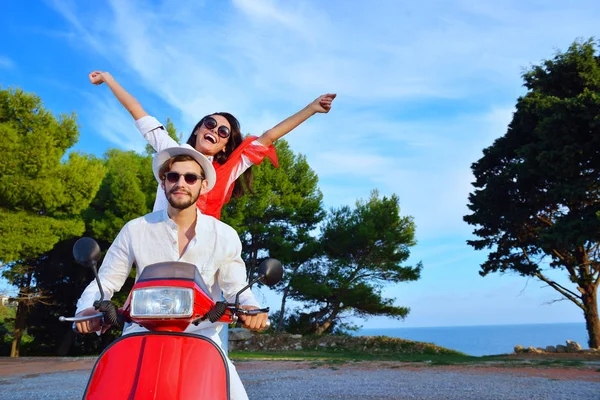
489,339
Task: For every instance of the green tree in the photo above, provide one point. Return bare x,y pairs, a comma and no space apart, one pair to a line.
364,249
128,191
278,218
537,187
68,279
7,319
41,195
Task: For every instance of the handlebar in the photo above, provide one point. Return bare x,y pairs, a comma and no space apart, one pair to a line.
74,320
235,310
79,319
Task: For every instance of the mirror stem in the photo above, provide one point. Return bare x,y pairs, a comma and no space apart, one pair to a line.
237,296
93,266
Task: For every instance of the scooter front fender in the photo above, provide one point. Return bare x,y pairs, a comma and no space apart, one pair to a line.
160,365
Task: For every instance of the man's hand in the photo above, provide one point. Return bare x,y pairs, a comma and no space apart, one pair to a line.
322,104
254,322
92,325
98,77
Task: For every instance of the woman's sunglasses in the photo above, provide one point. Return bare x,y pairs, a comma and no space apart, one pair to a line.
211,123
190,179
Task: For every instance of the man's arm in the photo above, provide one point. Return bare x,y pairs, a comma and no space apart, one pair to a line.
321,104
127,100
232,278
115,269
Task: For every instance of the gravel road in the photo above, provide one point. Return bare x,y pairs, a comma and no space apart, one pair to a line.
268,380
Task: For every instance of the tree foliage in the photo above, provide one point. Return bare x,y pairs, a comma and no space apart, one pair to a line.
278,218
127,192
47,202
42,195
286,203
537,188
364,248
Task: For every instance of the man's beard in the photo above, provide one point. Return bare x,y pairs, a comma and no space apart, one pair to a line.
181,203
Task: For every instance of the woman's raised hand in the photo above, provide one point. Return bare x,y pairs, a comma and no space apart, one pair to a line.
322,104
98,77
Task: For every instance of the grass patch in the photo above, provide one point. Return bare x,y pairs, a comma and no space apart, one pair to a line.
565,363
341,357
442,362
337,358
334,351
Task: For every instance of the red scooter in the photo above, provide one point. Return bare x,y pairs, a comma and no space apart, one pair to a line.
164,362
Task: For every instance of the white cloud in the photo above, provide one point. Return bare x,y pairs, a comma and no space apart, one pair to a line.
6,62
67,9
267,12
113,123
426,163
263,51
264,59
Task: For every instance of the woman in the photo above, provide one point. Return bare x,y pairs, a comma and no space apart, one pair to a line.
217,136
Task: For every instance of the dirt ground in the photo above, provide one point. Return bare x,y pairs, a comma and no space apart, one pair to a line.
43,365
589,372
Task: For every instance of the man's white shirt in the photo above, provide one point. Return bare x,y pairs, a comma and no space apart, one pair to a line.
153,238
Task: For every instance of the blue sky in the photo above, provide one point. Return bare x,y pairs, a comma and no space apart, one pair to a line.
422,89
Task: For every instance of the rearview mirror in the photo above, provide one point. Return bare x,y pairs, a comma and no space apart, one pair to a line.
270,271
86,252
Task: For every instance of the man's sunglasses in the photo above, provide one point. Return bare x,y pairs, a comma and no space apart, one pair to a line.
211,123
190,179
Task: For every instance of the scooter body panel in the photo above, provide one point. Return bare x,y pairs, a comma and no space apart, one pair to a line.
160,365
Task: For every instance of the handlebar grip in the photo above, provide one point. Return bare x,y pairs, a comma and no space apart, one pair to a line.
253,312
75,320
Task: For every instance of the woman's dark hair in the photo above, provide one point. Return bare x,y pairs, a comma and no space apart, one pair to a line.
235,139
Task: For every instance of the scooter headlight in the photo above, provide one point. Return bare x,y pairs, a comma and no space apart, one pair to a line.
162,302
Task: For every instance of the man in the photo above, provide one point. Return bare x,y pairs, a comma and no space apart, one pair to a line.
179,233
